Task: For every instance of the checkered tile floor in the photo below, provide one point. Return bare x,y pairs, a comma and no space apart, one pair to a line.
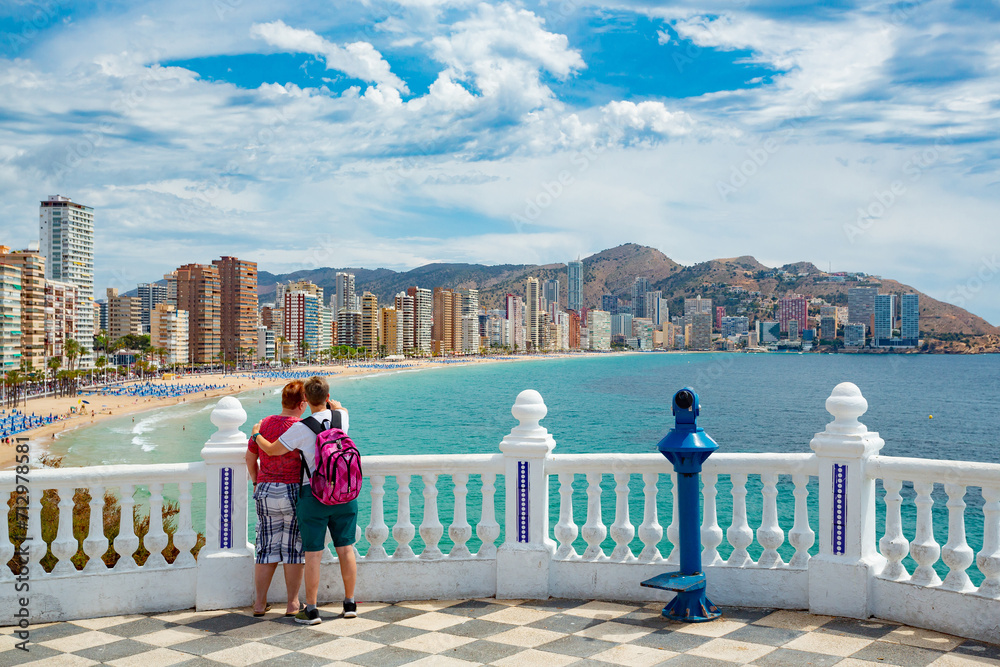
550,633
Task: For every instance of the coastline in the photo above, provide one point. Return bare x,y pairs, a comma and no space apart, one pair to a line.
101,408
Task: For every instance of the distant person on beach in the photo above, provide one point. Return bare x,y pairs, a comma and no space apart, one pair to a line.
276,491
314,517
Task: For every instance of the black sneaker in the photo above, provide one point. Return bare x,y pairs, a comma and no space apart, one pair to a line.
350,609
308,617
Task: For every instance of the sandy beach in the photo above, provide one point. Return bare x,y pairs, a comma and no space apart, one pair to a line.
102,407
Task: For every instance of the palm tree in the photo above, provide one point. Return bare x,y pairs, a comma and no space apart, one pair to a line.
102,362
304,348
72,350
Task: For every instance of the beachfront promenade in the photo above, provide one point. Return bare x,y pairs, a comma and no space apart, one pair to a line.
831,564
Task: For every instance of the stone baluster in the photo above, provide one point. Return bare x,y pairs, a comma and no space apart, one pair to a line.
566,530
739,534
957,554
65,545
185,538
840,574
673,530
524,557
769,534
622,530
403,531
377,532
430,528
594,531
327,558
6,546
711,533
127,542
156,539
650,531
893,546
35,545
924,549
801,536
95,545
460,531
488,530
227,555
988,559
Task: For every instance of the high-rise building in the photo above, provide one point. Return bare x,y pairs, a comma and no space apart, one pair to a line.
404,321
885,318
302,322
599,329
199,292
642,330
308,286
60,319
423,316
861,306
171,279
10,317
701,331
238,315
266,350
551,293
442,331
639,288
150,294
854,335
533,314
32,266
828,328
327,323
734,326
124,315
793,329
168,330
389,338
621,324
770,332
609,303
345,292
830,311
369,322
910,314
574,288
515,315
66,236
349,327
698,306
720,312
470,334
793,307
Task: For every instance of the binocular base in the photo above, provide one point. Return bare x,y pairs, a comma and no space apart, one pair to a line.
690,604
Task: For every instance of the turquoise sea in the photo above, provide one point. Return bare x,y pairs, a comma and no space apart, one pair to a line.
621,403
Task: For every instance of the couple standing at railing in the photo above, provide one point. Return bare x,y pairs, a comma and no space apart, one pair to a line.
291,523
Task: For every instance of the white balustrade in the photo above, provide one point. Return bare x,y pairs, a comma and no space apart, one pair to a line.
924,549
957,554
650,532
185,538
711,533
377,531
674,530
801,536
594,531
127,542
622,530
894,546
988,559
95,545
769,534
488,530
156,539
739,534
64,546
35,546
566,529
6,544
430,528
460,531
403,531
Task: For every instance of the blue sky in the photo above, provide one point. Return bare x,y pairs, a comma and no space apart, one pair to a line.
857,135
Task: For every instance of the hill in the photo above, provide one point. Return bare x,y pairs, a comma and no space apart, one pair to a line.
742,284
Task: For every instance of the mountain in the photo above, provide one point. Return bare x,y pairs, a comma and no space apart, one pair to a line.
612,271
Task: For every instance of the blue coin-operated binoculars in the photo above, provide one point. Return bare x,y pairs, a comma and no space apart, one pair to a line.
687,446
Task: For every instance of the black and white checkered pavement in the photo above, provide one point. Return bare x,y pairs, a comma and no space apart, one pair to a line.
549,633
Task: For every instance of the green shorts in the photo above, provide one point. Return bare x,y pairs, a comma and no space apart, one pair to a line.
315,518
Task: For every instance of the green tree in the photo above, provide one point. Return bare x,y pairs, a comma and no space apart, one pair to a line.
72,350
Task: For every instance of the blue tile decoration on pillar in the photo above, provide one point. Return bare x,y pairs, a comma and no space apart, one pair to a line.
522,501
839,507
226,508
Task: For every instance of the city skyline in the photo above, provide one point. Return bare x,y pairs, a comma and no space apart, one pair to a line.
502,133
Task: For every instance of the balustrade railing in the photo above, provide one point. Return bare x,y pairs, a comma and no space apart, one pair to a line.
836,530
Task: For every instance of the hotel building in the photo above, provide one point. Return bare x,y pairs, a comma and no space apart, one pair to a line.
10,317
168,329
532,302
199,292
32,266
238,303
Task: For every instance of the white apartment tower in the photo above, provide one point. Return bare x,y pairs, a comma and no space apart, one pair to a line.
574,290
532,304
66,236
345,293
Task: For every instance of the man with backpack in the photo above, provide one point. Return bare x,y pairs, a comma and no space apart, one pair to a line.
316,438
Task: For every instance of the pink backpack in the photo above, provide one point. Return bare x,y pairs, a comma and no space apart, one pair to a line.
337,478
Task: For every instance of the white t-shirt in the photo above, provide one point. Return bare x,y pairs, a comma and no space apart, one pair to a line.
300,436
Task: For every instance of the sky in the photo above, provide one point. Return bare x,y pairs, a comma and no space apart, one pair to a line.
857,136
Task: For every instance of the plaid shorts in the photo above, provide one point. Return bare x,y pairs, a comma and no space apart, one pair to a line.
278,537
